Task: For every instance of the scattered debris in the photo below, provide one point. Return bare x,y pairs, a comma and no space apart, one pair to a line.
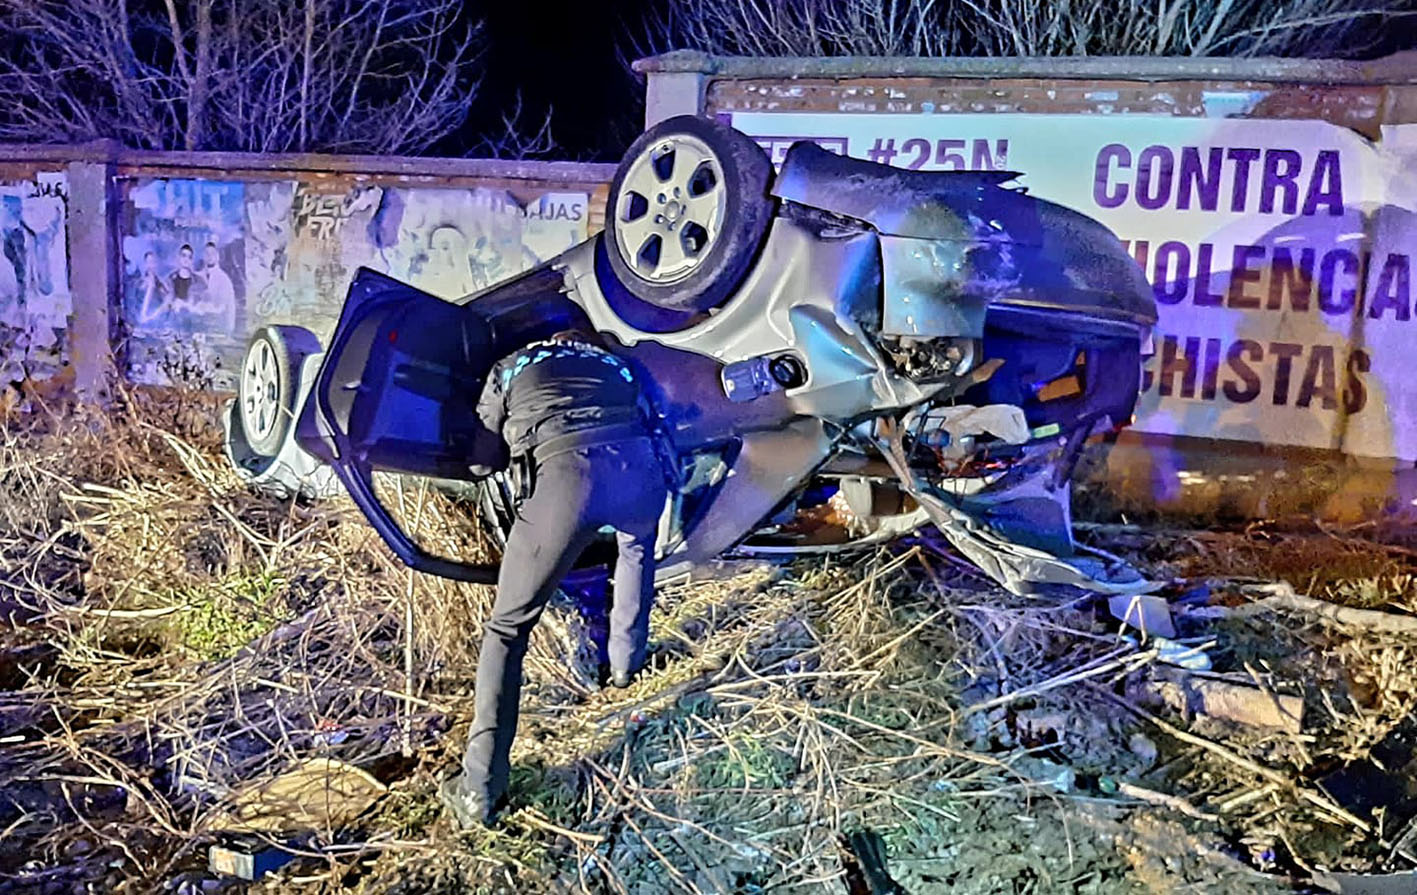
1147,613
213,658
317,794
1059,778
1191,658
1192,695
248,859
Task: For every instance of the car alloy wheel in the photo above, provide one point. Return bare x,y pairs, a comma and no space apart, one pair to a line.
270,385
260,391
671,209
688,211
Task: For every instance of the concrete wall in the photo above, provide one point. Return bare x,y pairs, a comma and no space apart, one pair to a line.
1358,95
1280,382
166,262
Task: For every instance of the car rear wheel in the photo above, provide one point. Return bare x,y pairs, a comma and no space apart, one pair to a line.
269,389
689,208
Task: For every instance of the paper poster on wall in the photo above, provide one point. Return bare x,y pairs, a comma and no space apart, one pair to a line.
34,277
553,223
184,256
450,242
183,280
304,245
206,263
1279,316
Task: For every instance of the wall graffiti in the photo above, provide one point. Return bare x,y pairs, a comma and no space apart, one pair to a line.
302,264
304,245
268,223
34,277
206,262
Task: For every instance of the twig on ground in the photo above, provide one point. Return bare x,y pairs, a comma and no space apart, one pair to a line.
535,818
1176,803
1281,595
1318,800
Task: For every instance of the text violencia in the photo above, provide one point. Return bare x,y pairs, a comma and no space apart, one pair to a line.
1278,278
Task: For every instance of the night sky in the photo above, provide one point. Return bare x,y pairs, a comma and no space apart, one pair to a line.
564,55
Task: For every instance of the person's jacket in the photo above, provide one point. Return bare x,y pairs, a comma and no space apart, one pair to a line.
554,396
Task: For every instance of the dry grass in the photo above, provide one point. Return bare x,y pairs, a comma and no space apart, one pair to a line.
1344,566
191,640
205,638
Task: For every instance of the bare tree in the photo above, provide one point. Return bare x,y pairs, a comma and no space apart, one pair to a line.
518,140
380,76
800,28
1022,27
1244,28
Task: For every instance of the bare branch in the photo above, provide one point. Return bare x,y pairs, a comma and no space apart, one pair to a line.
1018,27
379,76
516,140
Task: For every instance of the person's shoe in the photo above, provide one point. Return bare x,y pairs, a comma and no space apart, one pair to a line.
606,677
470,809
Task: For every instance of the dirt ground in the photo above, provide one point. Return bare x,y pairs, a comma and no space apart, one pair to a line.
176,650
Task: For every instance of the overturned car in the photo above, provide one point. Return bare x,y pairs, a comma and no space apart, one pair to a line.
842,341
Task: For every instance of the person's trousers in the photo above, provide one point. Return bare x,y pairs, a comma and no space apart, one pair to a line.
574,495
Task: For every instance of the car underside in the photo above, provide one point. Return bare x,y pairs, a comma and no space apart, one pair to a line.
839,353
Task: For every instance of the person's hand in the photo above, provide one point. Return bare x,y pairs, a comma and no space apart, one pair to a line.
480,471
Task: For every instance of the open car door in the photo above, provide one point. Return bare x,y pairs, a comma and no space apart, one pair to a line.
398,392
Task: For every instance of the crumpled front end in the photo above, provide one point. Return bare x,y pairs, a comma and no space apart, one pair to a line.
954,244
1053,317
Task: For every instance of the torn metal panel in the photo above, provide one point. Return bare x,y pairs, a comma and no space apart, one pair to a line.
1019,569
954,242
928,288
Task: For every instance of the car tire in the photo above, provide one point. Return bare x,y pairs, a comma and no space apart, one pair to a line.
269,386
687,213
